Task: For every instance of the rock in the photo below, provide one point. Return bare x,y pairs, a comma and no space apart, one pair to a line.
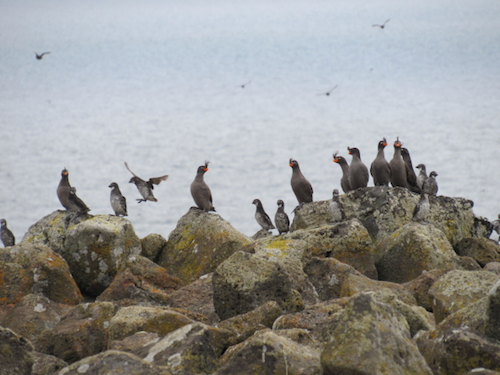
16,354
482,371
372,338
493,267
27,268
483,250
95,248
196,297
132,319
152,245
135,342
413,249
113,362
312,215
245,325
467,264
46,364
34,315
457,289
141,281
266,352
192,349
354,284
348,242
328,275
419,287
81,333
198,244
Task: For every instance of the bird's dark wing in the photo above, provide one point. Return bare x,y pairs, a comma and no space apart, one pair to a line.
157,180
45,53
126,165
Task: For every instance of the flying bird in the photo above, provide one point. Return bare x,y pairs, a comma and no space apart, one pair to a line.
328,92
39,57
245,84
381,26
146,187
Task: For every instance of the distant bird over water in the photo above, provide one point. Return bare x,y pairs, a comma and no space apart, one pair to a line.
39,57
328,92
261,216
6,235
146,187
281,218
117,200
381,26
245,84
200,191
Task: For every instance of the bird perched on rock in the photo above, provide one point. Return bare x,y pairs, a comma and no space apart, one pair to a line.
261,216
6,235
380,169
39,57
430,185
422,176
117,200
200,191
281,218
422,208
496,225
398,167
411,177
336,207
344,180
358,173
301,187
64,188
75,203
146,187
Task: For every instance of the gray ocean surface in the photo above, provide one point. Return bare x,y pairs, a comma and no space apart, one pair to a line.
158,84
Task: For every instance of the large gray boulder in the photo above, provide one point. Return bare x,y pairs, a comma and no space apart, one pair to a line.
95,247
16,355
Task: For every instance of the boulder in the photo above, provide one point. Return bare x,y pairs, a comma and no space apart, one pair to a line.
493,267
141,281
27,268
16,355
199,243
82,332
135,342
413,249
372,338
419,287
483,250
457,289
152,245
94,248
267,352
46,364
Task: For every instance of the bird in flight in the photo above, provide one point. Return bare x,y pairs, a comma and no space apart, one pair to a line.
39,57
381,26
245,84
328,92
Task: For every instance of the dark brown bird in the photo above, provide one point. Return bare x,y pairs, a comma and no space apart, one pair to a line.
358,173
200,191
281,218
117,200
411,177
245,84
328,92
344,180
63,189
380,169
301,187
261,216
39,57
381,26
398,167
75,203
146,187
6,235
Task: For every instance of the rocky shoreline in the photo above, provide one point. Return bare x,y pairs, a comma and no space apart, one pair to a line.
376,293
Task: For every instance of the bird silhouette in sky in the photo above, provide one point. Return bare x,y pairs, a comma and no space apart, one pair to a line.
328,92
381,26
39,57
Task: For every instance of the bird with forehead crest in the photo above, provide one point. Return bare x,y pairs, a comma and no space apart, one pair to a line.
200,191
380,169
358,173
301,187
398,167
344,180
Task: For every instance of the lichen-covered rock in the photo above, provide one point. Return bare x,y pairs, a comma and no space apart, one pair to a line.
327,275
45,364
348,242
152,245
94,248
131,319
457,289
141,281
372,338
135,342
196,297
483,250
267,352
419,287
192,349
198,244
493,267
413,249
16,354
27,268
113,362
82,332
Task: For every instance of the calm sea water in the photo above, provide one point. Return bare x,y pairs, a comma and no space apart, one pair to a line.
158,84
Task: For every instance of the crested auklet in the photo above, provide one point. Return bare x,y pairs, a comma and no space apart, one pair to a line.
200,191
145,187
63,189
358,173
39,57
301,187
411,177
380,169
344,180
398,167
